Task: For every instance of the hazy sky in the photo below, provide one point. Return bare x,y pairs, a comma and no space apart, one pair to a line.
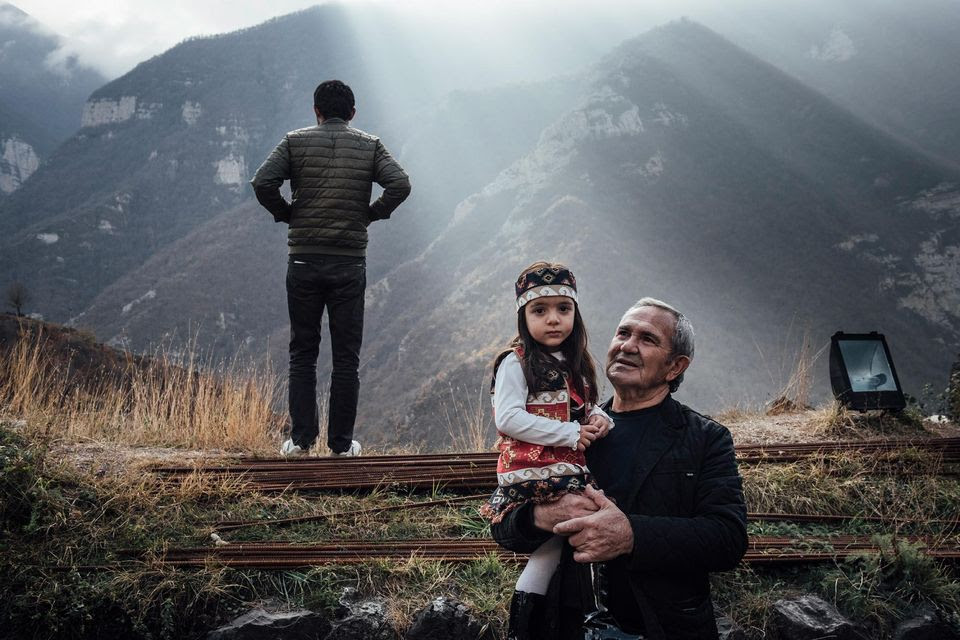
114,36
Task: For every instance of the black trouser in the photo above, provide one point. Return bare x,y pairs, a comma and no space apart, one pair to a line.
337,283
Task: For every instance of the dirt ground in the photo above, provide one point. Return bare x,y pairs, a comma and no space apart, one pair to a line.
822,424
107,458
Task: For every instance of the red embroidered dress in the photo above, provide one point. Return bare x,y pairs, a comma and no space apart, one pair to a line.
528,472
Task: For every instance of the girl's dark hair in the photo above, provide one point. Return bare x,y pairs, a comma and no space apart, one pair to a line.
538,363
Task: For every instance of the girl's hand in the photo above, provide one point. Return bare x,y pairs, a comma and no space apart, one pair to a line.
588,433
601,424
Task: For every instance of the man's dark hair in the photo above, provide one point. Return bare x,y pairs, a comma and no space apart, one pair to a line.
334,100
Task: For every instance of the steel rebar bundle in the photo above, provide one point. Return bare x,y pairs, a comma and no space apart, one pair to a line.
762,550
478,470
231,525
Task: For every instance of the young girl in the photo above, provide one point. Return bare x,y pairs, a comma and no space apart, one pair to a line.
544,404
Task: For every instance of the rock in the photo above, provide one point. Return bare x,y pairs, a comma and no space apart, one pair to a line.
349,598
808,618
926,626
447,619
264,625
729,630
361,619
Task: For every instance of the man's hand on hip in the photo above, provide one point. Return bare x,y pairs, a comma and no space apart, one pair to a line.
570,506
600,536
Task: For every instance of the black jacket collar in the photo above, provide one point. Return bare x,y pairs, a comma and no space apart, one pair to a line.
661,438
671,411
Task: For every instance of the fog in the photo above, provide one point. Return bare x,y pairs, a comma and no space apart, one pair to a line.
506,40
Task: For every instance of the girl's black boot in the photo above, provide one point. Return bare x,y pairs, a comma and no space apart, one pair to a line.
526,616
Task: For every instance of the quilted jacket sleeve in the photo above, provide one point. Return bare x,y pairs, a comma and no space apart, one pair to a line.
517,532
715,538
396,185
268,179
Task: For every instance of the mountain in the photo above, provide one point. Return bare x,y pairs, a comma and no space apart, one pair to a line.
893,64
679,166
42,95
696,173
161,150
172,144
193,288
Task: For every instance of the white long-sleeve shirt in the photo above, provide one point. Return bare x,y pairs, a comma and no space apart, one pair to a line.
511,416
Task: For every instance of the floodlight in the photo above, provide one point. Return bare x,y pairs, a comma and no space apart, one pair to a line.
862,374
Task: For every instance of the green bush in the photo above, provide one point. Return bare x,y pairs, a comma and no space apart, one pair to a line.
18,480
953,392
879,588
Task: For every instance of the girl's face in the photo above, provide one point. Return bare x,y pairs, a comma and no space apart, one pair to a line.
549,319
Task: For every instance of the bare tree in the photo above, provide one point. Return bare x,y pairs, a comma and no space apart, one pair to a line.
18,297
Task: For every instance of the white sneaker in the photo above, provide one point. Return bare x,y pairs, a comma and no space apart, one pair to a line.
352,452
290,450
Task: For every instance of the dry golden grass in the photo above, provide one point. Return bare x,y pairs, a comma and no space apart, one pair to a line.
154,401
837,422
469,429
794,395
855,484
792,378
738,413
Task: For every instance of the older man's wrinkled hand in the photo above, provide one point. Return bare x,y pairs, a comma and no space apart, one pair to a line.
570,506
599,536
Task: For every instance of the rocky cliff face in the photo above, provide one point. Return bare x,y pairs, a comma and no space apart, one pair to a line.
691,172
18,161
41,100
160,151
172,145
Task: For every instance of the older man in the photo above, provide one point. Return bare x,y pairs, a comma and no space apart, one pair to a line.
671,509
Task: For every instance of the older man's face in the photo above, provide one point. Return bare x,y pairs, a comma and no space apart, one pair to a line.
639,354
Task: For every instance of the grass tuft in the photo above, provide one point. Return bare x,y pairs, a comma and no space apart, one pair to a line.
837,422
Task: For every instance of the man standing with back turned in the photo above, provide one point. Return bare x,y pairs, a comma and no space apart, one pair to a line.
331,168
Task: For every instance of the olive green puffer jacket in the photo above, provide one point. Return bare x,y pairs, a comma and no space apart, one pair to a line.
331,168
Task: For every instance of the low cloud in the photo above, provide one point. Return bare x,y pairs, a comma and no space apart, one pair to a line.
114,37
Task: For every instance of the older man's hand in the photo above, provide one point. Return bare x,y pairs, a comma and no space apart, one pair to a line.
568,507
599,536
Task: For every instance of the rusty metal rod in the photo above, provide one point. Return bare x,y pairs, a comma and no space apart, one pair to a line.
476,470
762,550
481,459
231,525
825,517
228,525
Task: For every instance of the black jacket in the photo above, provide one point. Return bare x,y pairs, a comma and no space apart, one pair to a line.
688,517
331,168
